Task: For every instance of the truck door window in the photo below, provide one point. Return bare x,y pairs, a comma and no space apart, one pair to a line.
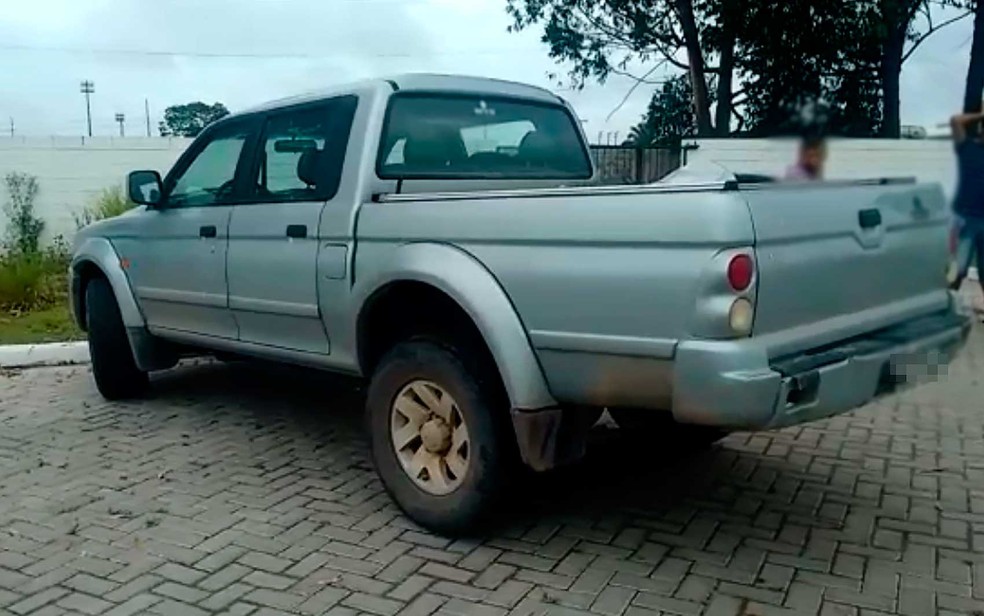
302,151
443,136
209,178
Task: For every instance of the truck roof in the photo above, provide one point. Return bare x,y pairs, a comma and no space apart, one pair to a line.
421,82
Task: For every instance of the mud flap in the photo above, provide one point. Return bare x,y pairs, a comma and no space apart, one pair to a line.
549,438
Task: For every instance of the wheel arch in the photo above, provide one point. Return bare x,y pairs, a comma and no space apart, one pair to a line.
449,272
97,257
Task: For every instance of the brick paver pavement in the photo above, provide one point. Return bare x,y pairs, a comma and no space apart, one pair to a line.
246,489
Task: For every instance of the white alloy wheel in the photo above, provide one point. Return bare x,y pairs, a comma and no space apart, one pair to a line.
430,437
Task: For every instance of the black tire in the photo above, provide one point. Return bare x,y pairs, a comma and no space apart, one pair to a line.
115,371
657,428
464,510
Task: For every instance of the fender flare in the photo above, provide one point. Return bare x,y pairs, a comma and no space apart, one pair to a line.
100,253
148,352
468,282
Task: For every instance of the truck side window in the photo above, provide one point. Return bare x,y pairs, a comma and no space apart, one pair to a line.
302,151
209,178
445,136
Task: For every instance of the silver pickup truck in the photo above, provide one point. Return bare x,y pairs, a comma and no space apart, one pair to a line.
442,237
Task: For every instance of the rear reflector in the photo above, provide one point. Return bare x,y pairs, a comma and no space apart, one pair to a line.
740,272
740,316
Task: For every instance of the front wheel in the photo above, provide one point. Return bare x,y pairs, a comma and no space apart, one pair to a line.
116,373
438,441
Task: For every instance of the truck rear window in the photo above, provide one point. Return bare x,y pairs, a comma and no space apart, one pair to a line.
473,137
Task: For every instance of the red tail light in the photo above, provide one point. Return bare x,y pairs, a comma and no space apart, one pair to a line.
741,269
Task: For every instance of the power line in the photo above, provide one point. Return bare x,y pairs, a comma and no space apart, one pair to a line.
248,55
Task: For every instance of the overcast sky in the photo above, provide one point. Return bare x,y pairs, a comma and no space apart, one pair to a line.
242,52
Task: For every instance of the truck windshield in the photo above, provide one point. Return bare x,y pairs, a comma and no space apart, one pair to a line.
474,137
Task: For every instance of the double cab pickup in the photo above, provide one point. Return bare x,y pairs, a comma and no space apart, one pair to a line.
444,238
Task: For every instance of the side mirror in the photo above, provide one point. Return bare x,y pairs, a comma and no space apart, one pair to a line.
144,187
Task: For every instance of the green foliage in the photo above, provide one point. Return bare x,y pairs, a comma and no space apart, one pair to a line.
50,324
30,276
190,119
777,65
110,202
595,37
23,282
669,118
32,280
24,228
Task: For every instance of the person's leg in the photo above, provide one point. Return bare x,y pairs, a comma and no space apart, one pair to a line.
979,260
964,250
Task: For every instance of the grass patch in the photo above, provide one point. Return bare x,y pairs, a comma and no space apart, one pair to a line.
49,324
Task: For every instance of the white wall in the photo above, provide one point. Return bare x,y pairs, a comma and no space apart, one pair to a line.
72,171
930,160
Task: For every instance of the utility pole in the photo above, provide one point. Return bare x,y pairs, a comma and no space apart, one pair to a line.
147,115
87,87
120,118
11,126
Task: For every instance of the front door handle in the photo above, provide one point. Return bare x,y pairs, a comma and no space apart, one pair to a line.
207,231
297,231
869,219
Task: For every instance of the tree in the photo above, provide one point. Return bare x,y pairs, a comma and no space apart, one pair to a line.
190,119
900,27
601,37
801,73
670,117
975,72
766,61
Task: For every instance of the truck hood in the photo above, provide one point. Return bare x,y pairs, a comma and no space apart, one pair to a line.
109,227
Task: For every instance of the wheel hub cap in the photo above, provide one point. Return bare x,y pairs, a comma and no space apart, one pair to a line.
430,437
436,436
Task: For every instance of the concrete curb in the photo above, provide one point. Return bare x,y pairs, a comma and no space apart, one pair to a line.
35,355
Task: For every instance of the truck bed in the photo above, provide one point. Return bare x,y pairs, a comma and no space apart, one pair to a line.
608,281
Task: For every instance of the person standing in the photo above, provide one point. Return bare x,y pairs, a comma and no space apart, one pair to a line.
968,204
810,160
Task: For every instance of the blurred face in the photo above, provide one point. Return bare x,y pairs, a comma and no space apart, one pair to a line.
812,158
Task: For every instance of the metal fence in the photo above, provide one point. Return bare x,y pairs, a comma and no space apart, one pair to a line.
629,165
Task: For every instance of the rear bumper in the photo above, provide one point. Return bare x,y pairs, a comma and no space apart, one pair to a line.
738,386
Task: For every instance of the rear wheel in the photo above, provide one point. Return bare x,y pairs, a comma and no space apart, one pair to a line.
115,371
658,428
437,436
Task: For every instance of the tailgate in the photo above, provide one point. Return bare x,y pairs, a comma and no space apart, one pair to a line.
838,259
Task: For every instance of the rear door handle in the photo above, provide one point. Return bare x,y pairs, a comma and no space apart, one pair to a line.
869,219
207,231
297,231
